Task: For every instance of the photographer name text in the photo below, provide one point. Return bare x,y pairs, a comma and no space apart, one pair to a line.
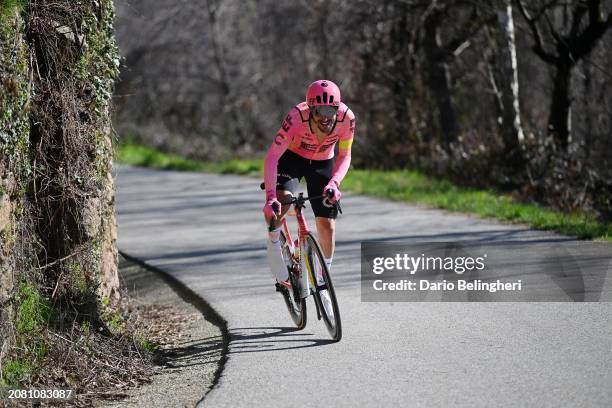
444,285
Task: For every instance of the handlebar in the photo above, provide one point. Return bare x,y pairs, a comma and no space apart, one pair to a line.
301,199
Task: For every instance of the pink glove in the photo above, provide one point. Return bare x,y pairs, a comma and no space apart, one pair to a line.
269,209
336,192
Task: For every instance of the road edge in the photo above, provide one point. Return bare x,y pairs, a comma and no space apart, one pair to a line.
190,297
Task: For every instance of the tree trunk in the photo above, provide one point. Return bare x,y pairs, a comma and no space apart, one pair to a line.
227,97
559,120
400,73
438,80
588,113
512,130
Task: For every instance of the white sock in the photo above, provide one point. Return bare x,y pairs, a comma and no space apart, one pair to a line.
275,257
274,235
328,262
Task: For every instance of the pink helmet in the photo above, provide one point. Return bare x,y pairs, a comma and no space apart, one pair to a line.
323,92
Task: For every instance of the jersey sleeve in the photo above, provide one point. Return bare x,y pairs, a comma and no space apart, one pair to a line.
281,142
343,161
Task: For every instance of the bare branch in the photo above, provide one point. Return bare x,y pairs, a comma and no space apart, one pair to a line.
579,12
474,24
538,47
584,43
555,35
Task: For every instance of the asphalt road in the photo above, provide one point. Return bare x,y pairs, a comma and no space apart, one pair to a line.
207,231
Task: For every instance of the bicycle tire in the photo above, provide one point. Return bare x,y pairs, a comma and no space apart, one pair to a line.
295,304
333,323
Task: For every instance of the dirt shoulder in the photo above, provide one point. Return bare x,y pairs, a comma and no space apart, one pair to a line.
191,348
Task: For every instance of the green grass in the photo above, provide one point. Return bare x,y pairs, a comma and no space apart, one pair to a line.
414,187
136,155
20,370
146,344
33,310
115,323
15,373
33,314
8,6
404,185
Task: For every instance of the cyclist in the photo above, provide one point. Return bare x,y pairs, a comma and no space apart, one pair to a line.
304,148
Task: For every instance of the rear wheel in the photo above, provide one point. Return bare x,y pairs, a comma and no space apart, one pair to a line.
324,294
295,304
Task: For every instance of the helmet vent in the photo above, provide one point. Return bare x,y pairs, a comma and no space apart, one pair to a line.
318,99
324,97
331,98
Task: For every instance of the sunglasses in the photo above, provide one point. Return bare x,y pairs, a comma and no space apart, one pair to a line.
325,110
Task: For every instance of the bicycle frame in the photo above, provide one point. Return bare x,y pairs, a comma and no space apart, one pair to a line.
303,231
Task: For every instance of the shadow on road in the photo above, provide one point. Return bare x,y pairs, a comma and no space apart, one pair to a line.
192,352
486,236
260,339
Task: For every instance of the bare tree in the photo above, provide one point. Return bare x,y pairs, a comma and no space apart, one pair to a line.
439,54
562,48
228,97
503,76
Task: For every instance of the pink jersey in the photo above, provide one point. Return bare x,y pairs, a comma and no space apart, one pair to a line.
296,135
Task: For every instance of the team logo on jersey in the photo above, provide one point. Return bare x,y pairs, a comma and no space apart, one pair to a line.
287,123
308,147
279,139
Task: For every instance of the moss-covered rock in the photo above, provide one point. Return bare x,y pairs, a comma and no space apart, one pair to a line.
58,63
14,140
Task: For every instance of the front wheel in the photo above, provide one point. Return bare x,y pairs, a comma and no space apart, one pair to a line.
295,304
324,293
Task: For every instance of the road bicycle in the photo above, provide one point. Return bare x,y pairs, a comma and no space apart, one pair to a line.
304,255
